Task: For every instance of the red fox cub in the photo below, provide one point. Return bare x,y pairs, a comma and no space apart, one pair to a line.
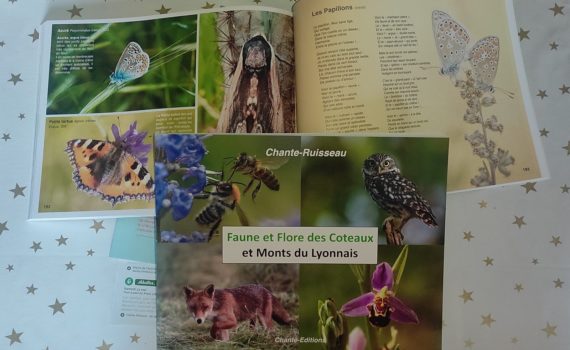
226,307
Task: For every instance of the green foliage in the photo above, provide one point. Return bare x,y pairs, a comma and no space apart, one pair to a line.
210,75
398,268
169,82
332,325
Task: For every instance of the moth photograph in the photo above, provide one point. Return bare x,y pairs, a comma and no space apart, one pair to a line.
129,66
205,182
393,183
98,163
202,302
246,76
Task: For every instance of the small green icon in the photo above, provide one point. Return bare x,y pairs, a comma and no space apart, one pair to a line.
145,282
128,281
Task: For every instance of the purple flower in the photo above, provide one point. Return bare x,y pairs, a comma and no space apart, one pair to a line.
173,237
380,305
160,184
199,174
181,203
132,142
180,176
170,195
185,149
356,340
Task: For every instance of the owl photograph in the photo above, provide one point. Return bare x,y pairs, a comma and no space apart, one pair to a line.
396,194
397,184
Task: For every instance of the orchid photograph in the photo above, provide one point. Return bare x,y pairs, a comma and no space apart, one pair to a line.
102,163
393,305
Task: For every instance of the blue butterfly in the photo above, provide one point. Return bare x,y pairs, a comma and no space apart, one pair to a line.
133,64
451,40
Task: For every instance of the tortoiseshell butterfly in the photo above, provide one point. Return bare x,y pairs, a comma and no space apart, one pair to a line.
107,170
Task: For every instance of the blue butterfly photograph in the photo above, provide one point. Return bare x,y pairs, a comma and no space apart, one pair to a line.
116,67
472,68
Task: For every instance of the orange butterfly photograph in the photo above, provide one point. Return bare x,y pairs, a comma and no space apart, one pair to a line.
101,163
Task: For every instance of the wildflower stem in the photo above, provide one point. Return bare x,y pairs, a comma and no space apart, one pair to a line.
492,166
162,67
102,96
365,286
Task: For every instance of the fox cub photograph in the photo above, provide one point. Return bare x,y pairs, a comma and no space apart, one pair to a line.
226,307
204,304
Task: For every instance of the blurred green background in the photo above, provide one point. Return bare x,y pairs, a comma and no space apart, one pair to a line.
210,75
58,191
333,188
170,81
270,208
198,265
420,288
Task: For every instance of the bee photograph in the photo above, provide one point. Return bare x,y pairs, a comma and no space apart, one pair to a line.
394,304
205,304
247,73
396,184
98,163
205,182
129,66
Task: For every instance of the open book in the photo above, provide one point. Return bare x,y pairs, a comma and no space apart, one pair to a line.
430,68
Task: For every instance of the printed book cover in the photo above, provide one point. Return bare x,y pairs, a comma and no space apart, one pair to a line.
301,241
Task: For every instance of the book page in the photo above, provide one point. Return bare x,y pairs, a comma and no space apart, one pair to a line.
108,86
430,67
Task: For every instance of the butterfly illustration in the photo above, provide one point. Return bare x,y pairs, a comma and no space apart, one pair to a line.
112,170
484,59
132,64
451,40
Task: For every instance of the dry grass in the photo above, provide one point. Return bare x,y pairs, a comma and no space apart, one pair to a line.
200,264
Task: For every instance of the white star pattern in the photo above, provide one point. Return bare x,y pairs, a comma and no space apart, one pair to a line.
60,273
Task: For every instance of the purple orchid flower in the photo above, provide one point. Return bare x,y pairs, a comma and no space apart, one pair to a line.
132,142
356,340
380,305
